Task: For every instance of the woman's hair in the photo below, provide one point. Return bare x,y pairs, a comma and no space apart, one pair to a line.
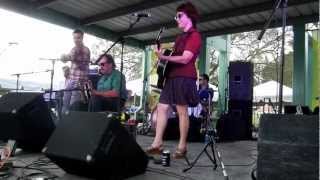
190,10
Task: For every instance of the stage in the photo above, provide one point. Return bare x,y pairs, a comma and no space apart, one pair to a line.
239,158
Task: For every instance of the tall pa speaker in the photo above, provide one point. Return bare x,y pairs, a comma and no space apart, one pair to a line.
25,117
95,145
241,115
241,81
288,147
237,124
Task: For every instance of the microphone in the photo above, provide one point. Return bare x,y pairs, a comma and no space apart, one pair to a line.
140,15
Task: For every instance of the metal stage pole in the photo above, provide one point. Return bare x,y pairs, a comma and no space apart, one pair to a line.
283,4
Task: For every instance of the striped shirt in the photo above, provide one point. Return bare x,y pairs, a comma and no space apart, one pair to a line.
80,58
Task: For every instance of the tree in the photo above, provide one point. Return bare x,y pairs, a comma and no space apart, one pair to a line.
132,57
3,90
265,55
213,64
268,71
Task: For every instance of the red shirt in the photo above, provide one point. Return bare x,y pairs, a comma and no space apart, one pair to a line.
190,41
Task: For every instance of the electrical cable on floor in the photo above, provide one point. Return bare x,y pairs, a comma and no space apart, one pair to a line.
38,168
42,172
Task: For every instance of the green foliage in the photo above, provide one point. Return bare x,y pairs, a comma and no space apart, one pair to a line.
3,90
265,55
132,57
270,71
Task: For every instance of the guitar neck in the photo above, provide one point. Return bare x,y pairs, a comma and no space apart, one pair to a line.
158,38
158,44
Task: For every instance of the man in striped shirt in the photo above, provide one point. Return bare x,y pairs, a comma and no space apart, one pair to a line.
80,58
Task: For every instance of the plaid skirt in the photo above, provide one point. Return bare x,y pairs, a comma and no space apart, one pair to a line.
180,91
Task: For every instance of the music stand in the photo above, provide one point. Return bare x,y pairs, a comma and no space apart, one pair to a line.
210,141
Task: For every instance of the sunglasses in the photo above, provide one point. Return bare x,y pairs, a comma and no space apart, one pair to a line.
178,16
102,64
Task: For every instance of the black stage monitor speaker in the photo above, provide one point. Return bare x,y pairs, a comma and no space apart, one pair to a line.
25,117
95,145
241,81
288,147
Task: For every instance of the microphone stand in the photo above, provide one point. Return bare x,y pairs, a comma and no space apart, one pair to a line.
53,61
26,73
51,79
283,4
122,41
17,83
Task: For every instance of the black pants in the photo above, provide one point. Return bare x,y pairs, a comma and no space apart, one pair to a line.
98,104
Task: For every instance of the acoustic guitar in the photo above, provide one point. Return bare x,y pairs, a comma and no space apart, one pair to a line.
162,64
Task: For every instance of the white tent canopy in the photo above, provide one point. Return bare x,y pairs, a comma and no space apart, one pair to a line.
135,86
270,90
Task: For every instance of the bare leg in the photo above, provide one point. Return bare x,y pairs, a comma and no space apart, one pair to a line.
162,118
183,125
154,115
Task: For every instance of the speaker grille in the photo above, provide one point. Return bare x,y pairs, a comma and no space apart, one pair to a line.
25,117
99,146
241,81
288,147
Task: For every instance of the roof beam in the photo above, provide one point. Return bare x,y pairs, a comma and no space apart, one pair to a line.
43,3
146,4
54,17
256,8
245,28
